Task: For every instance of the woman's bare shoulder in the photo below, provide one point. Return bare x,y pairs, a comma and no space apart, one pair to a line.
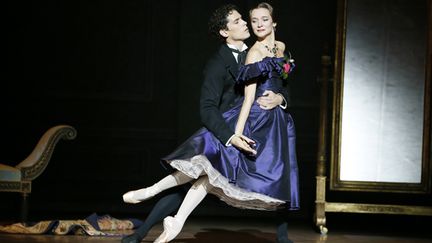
280,45
254,55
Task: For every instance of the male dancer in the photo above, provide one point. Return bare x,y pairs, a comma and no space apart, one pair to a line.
218,94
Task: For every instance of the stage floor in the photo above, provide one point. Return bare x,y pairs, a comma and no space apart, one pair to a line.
217,230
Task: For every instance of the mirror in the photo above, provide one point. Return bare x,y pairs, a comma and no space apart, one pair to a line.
382,88
381,114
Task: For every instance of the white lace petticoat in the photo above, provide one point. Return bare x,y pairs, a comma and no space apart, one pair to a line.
227,192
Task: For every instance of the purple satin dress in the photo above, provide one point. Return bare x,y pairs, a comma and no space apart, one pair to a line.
267,181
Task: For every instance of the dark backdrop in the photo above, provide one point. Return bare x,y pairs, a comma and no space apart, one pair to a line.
127,75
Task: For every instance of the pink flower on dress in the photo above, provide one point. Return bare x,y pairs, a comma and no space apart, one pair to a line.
286,67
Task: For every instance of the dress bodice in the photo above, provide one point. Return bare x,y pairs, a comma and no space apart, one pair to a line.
267,73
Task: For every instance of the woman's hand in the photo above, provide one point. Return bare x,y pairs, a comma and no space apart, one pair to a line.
243,143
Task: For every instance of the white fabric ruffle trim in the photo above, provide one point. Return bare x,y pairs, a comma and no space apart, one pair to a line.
227,192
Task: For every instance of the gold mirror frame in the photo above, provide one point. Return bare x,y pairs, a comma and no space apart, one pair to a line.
321,204
346,185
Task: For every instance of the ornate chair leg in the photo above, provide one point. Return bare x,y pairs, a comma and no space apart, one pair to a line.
24,208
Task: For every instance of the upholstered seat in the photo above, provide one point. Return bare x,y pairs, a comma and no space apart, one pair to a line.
20,177
9,173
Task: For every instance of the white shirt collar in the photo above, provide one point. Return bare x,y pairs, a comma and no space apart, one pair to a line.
244,47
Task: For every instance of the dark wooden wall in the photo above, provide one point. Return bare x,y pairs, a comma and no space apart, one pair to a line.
126,75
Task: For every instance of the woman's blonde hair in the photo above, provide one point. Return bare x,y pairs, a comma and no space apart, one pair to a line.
265,6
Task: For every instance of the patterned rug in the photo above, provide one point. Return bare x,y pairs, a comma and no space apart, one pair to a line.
93,225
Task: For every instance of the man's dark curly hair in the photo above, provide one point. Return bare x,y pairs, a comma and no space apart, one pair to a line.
218,20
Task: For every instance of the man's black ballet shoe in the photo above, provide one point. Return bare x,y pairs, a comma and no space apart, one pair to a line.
284,240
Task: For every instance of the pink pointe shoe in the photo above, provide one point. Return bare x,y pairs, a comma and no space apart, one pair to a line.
172,228
139,195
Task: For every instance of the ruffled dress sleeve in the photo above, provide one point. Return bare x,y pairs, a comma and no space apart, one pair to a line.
268,67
